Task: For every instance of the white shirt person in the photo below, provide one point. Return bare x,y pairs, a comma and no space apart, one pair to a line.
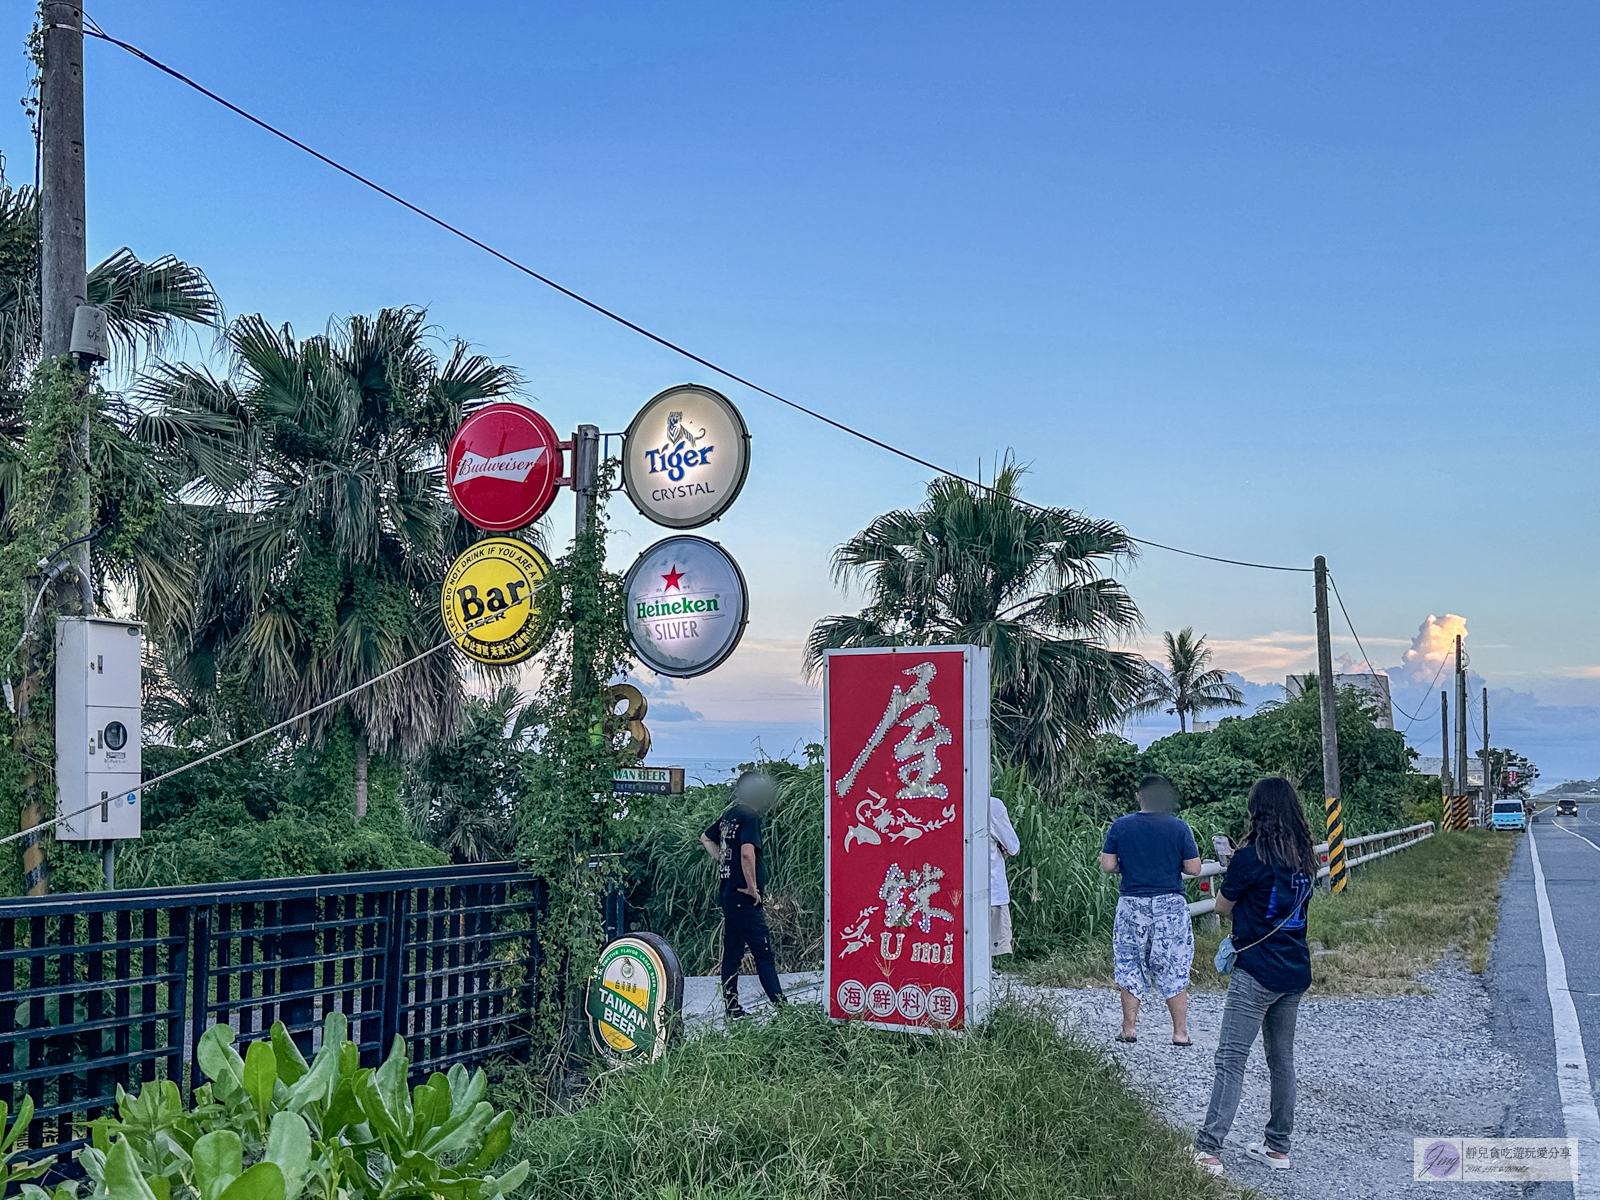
1003,842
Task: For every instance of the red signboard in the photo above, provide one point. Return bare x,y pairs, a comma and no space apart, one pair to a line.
906,915
502,467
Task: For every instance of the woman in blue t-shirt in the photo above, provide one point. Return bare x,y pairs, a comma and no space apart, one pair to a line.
1266,891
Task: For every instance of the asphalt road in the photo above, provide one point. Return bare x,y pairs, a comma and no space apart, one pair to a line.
1526,967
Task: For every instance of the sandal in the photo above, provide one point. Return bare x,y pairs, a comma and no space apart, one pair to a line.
1122,1037
1261,1154
1185,1042
1208,1162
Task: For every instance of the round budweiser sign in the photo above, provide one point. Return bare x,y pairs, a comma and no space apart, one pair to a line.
502,467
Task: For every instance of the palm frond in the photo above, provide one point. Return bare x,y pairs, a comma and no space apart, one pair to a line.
148,304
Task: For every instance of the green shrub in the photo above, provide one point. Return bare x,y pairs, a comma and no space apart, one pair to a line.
270,1126
805,1108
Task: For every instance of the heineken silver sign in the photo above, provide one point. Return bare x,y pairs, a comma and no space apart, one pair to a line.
685,456
687,605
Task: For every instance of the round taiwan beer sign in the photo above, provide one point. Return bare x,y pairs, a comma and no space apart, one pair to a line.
502,467
687,605
488,601
634,998
685,456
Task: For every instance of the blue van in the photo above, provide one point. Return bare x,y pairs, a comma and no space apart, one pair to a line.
1508,815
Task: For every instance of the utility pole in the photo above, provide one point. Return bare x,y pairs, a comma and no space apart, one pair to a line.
63,286
1337,875
63,258
1488,782
1444,751
1461,718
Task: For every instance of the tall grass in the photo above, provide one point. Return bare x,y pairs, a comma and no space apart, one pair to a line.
674,882
1061,902
804,1108
1060,898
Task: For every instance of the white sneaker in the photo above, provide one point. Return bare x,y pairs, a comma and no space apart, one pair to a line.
1260,1153
1208,1162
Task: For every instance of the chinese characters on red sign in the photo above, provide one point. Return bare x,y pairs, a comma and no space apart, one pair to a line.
900,948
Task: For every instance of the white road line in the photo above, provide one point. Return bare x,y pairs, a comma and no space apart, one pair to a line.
1572,1068
1579,836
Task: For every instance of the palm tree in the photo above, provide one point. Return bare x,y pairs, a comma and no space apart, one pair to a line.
147,304
321,554
460,794
975,565
1188,684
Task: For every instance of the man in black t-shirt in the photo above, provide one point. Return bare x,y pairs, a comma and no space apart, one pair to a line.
734,844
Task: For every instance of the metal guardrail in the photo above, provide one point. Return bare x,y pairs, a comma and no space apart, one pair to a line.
1402,839
110,989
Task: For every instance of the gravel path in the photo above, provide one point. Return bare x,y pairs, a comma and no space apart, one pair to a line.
1373,1075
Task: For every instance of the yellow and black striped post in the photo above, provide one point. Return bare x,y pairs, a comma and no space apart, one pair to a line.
1338,873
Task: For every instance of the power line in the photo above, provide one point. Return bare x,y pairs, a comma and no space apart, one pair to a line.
1418,717
205,758
1415,717
92,29
1364,656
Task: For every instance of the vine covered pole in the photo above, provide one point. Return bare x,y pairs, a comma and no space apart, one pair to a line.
1337,874
585,491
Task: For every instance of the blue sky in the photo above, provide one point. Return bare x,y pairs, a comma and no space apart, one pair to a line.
1262,281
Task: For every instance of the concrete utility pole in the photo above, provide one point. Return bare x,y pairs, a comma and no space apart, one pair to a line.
1461,717
63,286
63,258
1444,750
1488,782
1337,875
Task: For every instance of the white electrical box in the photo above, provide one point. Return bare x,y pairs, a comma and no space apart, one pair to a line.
98,731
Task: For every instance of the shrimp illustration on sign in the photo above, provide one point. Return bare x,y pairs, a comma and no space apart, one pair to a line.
855,936
918,755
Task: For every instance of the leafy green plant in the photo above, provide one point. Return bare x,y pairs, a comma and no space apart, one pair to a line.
270,1126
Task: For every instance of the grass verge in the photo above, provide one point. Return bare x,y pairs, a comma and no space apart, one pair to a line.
1397,918
802,1107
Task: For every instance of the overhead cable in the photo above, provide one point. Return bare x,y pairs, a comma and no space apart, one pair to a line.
1415,717
33,830
92,29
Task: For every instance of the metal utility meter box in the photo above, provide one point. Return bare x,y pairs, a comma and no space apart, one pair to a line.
98,731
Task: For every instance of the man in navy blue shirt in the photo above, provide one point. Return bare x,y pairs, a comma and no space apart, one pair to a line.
1152,942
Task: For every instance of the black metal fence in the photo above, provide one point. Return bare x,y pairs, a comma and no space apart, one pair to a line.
111,988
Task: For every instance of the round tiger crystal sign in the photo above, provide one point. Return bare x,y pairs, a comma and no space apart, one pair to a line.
685,456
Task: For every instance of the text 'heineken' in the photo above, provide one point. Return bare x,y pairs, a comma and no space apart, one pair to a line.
686,605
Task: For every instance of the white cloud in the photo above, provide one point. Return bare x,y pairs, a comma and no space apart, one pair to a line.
1434,644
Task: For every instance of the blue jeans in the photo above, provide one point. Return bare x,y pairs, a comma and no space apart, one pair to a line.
1252,1009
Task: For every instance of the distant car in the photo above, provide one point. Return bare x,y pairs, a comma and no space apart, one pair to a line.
1566,807
1508,814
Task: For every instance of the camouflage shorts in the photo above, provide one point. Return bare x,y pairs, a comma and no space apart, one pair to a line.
1152,940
